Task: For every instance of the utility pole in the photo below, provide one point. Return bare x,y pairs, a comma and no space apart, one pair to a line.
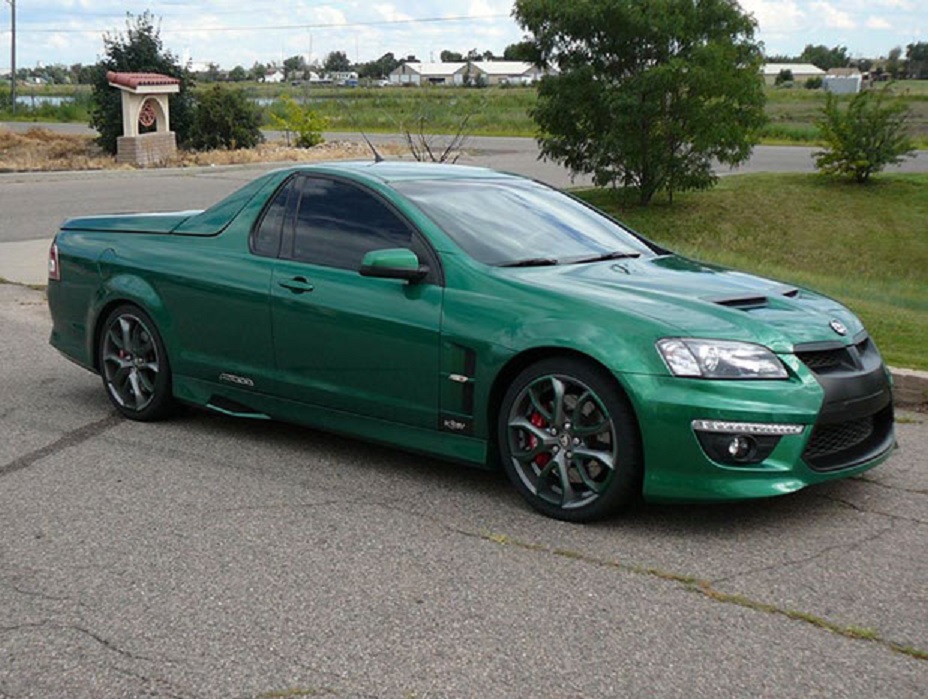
12,55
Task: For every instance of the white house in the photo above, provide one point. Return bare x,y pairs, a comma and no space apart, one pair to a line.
274,76
460,73
843,81
801,71
451,73
508,72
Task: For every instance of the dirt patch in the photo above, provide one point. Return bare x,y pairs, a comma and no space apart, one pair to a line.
39,149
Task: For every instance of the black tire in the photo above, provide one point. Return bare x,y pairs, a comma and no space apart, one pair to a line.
579,462
134,365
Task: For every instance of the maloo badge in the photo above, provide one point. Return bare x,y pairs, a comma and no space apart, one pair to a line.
838,327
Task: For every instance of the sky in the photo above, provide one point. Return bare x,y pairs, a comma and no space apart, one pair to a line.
232,32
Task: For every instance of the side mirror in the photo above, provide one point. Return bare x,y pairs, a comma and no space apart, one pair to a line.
394,263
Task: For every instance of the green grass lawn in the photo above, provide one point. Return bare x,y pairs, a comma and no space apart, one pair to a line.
864,245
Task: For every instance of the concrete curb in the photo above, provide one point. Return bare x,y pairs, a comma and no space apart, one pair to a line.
24,263
910,387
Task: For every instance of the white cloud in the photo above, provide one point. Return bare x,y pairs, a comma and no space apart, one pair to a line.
832,16
877,23
230,32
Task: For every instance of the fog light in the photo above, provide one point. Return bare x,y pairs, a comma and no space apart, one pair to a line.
740,447
740,443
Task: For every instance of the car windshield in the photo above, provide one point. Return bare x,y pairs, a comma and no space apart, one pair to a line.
520,223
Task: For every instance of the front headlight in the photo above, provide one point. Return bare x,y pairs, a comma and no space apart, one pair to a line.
719,359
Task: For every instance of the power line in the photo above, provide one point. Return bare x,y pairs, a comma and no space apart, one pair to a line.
278,27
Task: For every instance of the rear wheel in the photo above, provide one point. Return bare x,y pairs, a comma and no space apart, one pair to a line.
134,365
569,440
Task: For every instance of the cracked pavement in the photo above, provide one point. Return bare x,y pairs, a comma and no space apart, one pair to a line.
213,557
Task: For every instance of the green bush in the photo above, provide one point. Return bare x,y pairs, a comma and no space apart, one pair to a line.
814,83
225,118
784,76
864,138
301,122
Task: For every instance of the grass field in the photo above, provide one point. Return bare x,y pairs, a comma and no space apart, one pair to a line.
496,111
864,245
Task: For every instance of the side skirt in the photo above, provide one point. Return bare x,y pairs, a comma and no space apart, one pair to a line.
468,450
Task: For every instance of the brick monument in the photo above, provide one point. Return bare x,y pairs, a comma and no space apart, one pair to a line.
145,106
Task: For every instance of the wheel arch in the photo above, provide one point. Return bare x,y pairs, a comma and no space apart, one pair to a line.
516,364
125,290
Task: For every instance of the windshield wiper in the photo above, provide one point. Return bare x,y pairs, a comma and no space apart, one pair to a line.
531,262
615,255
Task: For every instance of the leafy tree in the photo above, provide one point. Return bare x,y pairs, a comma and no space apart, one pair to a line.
139,50
451,57
862,140
894,62
225,118
649,91
294,67
238,74
303,122
824,57
257,72
212,73
916,56
378,68
521,51
337,62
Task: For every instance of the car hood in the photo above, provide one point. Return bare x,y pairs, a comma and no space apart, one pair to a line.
698,300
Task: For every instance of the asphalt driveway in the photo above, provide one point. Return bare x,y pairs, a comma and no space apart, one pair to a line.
212,557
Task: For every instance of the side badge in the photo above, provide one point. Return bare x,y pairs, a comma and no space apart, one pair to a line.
838,327
240,380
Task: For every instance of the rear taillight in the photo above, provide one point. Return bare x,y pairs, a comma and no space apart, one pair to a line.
54,269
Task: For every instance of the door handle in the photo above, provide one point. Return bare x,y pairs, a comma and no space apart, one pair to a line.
297,285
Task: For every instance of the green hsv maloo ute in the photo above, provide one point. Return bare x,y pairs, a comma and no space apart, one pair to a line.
479,317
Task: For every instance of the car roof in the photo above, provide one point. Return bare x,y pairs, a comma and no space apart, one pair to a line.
388,171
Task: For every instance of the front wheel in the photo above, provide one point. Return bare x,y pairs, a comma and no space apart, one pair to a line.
134,365
569,440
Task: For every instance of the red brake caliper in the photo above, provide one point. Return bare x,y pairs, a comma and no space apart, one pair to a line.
542,459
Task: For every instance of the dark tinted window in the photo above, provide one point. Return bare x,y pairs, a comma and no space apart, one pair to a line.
265,239
337,223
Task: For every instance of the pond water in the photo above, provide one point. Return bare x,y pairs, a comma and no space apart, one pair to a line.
39,100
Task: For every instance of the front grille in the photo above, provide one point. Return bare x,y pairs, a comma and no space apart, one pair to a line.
825,359
847,444
838,359
830,439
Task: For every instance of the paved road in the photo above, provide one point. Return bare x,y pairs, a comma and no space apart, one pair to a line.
208,557
33,204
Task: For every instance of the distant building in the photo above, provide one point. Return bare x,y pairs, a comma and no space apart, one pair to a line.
463,73
843,81
508,72
451,73
274,76
801,71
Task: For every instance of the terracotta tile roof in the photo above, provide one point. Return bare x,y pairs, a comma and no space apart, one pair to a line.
134,80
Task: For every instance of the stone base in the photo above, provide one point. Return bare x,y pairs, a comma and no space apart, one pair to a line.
147,149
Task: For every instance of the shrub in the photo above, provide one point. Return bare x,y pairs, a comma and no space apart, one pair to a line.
225,118
784,76
864,138
814,83
292,118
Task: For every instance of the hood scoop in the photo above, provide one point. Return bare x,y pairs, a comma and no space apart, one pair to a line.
743,303
752,302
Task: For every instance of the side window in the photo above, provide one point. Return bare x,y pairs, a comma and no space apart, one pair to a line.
337,223
266,236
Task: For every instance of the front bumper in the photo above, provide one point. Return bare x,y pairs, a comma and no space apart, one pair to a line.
844,404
